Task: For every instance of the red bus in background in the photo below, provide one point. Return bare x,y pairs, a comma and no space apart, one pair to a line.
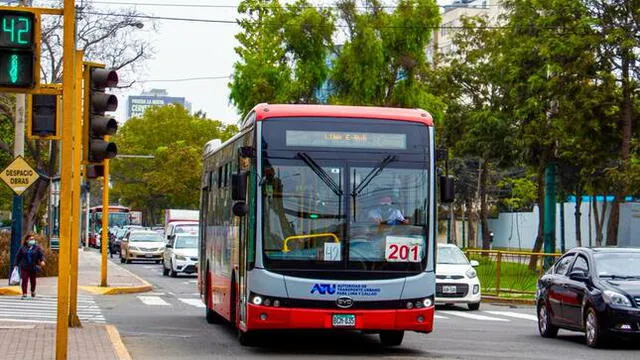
292,234
118,216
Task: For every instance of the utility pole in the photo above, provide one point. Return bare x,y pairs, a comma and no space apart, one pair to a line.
549,226
66,213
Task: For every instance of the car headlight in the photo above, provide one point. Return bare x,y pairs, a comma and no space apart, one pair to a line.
181,258
471,273
133,248
615,298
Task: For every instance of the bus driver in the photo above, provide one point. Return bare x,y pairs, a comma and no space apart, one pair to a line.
386,213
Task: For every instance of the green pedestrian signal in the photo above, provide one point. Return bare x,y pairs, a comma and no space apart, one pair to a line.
17,49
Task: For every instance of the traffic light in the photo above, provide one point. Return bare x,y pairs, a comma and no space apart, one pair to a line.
18,56
42,117
98,125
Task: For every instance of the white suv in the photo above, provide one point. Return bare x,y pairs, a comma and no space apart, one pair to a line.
180,255
456,279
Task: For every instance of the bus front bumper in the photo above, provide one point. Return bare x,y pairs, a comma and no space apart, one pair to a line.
272,318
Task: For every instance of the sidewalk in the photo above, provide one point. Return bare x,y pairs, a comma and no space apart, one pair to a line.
119,279
35,340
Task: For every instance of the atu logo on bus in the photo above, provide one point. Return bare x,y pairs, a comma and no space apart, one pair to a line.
324,289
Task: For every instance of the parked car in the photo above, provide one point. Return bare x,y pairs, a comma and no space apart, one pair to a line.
141,245
456,279
595,291
180,255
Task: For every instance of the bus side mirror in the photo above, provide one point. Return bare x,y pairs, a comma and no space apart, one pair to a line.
447,191
239,186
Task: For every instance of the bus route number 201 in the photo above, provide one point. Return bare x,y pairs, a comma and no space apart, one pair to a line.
400,249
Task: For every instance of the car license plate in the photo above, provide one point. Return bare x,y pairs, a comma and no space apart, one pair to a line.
449,289
148,255
343,320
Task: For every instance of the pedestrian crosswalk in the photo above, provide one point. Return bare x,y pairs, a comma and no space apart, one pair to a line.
446,315
43,309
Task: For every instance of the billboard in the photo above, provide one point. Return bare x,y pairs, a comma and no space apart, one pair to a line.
137,105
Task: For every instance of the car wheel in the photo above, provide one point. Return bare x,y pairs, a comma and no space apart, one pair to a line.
594,335
391,338
545,327
121,258
473,306
165,271
172,272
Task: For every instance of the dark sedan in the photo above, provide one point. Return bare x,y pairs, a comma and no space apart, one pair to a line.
595,291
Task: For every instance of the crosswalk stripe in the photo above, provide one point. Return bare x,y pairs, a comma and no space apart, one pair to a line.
43,309
440,317
153,300
473,316
193,302
514,315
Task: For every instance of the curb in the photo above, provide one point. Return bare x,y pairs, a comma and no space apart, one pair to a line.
496,299
10,291
120,290
118,346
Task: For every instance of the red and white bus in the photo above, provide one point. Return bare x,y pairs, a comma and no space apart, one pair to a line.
118,216
290,235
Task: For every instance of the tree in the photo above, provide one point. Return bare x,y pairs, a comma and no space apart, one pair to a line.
105,36
282,53
383,61
171,179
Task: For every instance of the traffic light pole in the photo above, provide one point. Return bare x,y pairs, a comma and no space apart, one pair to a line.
69,98
74,320
105,222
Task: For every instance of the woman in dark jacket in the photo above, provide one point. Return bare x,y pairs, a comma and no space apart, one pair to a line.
30,259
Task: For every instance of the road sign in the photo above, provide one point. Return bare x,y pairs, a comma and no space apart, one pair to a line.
19,175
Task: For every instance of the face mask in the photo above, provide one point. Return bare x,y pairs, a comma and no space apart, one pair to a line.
31,242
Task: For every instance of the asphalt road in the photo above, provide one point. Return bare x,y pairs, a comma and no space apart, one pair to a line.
169,324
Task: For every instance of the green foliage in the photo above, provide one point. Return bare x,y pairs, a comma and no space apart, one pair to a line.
171,179
522,194
282,53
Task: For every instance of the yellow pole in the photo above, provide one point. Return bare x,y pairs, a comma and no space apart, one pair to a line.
68,102
74,320
105,221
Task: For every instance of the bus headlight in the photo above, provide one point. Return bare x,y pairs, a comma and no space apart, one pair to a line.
257,300
427,302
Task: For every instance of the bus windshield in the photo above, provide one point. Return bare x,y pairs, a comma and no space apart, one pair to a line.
329,210
116,219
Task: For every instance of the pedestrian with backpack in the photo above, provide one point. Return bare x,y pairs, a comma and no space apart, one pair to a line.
30,259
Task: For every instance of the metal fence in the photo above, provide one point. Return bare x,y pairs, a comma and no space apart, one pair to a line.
510,273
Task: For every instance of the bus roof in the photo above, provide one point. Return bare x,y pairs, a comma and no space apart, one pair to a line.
266,111
111,207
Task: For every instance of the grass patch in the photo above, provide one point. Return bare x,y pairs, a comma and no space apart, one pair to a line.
515,275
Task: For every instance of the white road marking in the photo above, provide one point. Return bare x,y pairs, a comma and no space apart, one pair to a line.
193,302
43,309
153,300
473,316
514,315
440,317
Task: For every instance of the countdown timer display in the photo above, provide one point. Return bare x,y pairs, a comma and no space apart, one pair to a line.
17,50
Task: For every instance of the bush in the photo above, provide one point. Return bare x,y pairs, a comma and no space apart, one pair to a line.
50,257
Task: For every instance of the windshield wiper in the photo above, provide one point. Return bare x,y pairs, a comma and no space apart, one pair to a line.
321,173
372,174
621,277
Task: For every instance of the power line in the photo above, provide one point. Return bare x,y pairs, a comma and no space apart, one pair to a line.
187,79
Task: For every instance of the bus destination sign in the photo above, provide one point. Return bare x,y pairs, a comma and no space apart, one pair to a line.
344,139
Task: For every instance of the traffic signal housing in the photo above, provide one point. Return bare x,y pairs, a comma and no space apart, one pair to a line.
98,125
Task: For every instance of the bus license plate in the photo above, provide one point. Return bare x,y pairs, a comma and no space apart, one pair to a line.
343,320
449,289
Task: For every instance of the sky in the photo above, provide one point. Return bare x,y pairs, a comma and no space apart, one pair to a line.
187,50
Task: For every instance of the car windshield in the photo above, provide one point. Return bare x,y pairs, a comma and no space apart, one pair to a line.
145,237
190,229
186,242
451,255
618,264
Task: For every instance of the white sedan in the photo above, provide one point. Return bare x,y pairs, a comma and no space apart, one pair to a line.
456,279
180,255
